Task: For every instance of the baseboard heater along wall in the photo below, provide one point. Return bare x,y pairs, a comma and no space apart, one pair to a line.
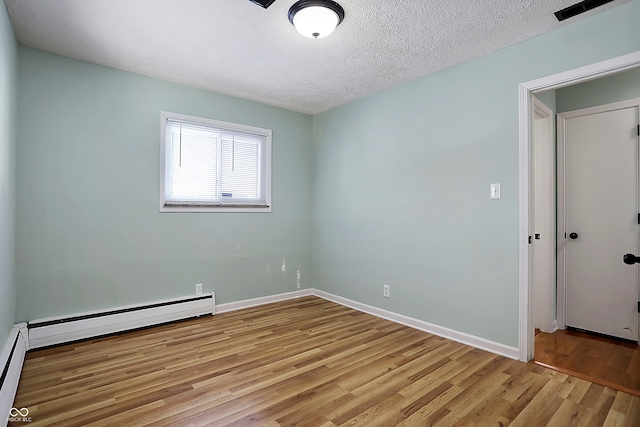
58,330
11,361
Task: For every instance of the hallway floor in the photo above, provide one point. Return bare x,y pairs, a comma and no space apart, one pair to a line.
602,360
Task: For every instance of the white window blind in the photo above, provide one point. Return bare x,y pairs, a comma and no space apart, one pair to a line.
210,164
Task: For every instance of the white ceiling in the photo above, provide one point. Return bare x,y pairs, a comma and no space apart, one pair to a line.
238,48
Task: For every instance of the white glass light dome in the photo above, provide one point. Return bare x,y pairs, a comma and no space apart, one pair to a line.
316,19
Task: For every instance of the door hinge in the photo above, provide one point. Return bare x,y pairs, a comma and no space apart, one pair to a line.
639,218
529,239
638,306
638,128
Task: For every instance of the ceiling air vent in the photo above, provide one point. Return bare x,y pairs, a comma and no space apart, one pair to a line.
263,3
579,8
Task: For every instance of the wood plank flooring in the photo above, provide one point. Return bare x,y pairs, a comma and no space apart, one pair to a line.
303,362
599,359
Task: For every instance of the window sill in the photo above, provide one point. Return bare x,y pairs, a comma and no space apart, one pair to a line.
205,209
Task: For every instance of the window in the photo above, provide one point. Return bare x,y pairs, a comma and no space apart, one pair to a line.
208,166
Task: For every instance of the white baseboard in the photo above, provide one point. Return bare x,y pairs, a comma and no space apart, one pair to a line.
11,362
254,302
461,337
58,330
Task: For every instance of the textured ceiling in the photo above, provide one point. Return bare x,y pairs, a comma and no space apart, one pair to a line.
238,48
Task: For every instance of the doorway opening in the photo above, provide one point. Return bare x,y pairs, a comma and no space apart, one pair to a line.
597,146
526,118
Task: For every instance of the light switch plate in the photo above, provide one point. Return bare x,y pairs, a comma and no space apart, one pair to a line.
495,192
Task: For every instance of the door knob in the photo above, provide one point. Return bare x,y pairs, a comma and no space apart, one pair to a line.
573,235
630,259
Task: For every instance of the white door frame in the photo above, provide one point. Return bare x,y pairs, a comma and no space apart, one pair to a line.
525,92
544,286
561,150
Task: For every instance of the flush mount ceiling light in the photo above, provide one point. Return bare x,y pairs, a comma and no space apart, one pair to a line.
316,18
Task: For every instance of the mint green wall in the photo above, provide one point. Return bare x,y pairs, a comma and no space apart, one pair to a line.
8,102
401,188
400,185
89,234
619,87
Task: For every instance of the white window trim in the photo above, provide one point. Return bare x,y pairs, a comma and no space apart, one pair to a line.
164,116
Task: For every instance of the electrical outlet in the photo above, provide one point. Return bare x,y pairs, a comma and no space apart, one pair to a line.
386,291
198,288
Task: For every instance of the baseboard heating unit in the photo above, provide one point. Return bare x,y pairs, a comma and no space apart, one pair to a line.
11,360
58,330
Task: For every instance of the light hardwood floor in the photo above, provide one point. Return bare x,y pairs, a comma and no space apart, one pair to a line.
304,362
